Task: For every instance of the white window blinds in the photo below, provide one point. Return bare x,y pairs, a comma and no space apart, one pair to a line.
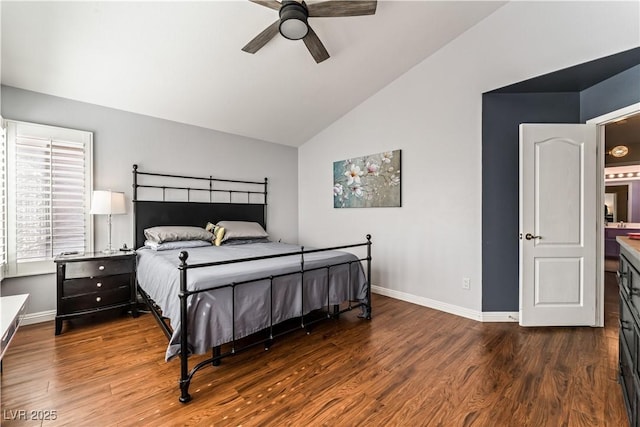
49,197
50,186
3,199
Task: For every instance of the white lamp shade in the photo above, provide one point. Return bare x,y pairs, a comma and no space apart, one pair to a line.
107,203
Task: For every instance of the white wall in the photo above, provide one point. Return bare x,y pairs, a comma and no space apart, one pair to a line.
1,271
422,251
122,139
0,54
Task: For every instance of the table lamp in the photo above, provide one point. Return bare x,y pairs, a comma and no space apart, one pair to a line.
107,203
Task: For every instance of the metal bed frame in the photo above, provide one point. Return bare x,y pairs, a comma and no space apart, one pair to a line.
151,213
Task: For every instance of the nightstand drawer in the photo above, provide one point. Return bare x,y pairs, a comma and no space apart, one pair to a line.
97,268
96,300
74,287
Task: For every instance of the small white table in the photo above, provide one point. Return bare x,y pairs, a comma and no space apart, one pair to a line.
11,308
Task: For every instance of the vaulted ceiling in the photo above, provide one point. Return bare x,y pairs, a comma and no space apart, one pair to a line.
182,61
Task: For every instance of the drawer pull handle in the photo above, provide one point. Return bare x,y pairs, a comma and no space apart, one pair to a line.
99,284
98,299
101,268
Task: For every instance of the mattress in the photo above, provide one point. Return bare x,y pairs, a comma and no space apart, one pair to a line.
223,312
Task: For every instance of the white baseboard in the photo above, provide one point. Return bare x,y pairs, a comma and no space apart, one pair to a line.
500,316
42,316
487,316
480,316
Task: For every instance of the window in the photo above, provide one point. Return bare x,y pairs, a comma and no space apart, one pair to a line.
3,201
49,188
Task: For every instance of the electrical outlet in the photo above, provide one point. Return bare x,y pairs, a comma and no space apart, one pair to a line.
466,283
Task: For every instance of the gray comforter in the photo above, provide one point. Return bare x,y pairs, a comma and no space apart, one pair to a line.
210,313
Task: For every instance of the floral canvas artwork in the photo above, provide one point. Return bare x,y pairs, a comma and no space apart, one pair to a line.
368,181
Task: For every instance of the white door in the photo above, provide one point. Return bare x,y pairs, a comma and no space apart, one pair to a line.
558,224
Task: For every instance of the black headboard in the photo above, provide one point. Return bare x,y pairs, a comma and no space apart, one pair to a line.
150,213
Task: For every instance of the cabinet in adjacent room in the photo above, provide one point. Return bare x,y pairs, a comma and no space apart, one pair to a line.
629,328
611,246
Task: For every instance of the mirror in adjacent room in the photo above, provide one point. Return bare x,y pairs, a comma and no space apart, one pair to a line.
616,202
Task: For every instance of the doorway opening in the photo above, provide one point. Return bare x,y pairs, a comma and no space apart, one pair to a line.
619,132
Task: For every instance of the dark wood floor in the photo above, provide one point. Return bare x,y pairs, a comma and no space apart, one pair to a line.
409,366
611,265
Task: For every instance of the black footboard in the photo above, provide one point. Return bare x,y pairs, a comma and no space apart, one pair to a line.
305,321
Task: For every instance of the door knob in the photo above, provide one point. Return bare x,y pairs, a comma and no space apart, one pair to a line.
530,236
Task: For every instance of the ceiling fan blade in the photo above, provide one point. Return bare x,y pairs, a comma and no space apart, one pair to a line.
342,8
315,46
263,38
271,4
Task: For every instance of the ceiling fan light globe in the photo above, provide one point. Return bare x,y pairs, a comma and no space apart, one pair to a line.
293,20
293,29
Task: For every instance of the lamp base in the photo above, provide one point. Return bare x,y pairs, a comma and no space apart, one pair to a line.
109,251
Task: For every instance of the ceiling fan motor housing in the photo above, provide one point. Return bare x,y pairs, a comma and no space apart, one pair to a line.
293,20
293,23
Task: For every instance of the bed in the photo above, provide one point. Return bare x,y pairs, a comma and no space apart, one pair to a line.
245,292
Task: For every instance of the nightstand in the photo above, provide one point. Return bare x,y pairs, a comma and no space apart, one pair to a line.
94,282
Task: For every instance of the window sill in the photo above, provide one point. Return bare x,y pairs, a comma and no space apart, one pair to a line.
29,269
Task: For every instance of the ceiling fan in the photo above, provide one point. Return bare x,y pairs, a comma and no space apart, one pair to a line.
293,23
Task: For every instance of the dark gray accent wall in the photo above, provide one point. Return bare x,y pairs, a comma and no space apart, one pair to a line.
617,92
502,114
579,77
